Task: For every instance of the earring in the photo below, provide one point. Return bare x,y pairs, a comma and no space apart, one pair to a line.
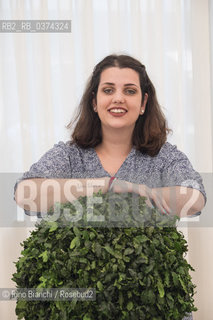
142,111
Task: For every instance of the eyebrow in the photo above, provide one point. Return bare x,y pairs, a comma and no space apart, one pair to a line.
125,85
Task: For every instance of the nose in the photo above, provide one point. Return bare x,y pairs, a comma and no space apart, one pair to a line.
118,97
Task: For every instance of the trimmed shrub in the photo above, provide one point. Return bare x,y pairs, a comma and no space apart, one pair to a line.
137,267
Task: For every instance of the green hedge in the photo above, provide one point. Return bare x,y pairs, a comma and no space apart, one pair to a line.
138,269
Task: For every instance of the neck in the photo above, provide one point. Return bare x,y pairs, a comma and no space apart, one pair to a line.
116,143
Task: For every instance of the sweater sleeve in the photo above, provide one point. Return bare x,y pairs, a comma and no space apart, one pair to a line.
178,171
55,163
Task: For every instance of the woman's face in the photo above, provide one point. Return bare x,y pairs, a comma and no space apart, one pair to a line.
119,98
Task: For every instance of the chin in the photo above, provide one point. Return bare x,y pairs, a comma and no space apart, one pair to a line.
120,127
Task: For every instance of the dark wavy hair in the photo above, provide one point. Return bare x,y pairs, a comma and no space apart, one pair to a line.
150,130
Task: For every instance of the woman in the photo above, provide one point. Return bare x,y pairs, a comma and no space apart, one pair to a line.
120,132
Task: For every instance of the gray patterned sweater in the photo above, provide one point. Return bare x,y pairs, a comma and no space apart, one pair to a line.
170,167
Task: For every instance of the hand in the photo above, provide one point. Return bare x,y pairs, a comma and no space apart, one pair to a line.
153,196
96,184
158,200
122,186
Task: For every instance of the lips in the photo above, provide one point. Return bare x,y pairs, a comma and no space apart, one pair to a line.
117,111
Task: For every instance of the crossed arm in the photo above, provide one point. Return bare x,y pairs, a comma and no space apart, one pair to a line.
39,195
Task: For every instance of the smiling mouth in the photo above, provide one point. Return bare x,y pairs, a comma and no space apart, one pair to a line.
117,111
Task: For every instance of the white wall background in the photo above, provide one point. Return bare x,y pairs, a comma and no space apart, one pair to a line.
42,77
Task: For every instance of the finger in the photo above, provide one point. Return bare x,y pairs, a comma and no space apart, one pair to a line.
166,207
159,204
149,203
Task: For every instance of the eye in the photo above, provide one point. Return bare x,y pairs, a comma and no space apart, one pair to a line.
130,91
108,90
